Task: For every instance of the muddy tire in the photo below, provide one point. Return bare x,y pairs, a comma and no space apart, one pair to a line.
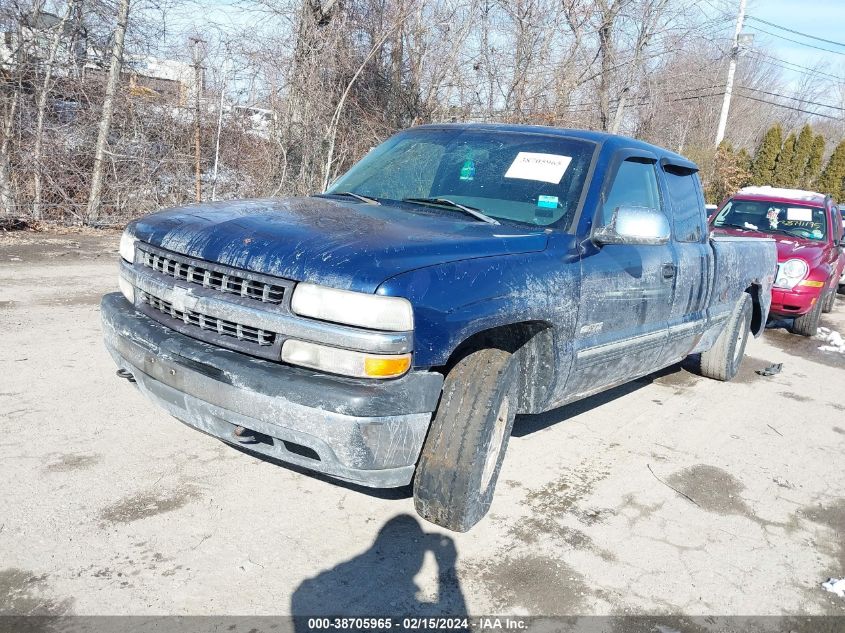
722,361
829,301
808,324
463,452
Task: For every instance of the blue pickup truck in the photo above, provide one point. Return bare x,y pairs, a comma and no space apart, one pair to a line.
389,330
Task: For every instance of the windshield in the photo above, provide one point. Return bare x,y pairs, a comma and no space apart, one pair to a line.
775,217
527,178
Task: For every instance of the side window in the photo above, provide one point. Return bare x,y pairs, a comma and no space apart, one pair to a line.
687,205
635,185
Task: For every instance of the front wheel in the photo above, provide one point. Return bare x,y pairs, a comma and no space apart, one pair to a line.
463,452
808,324
722,361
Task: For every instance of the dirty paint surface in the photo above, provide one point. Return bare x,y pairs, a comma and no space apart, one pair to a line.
464,277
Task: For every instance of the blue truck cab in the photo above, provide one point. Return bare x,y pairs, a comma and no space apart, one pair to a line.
389,330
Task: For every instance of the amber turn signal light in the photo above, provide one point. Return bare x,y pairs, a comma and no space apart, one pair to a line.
386,367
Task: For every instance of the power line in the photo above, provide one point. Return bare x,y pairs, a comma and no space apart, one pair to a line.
788,107
788,30
783,37
799,99
643,101
779,63
577,108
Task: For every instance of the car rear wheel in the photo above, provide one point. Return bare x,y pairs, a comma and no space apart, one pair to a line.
808,324
463,452
722,361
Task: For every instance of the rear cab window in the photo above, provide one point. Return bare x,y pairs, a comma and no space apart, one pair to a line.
687,203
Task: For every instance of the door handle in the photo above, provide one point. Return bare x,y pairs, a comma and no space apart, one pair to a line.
668,271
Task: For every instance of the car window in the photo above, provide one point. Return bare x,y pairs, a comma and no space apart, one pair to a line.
534,179
839,221
635,185
687,204
409,173
789,218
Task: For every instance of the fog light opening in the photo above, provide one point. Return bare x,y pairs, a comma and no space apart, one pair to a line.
302,451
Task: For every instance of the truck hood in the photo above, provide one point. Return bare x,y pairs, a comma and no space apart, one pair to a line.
353,246
788,247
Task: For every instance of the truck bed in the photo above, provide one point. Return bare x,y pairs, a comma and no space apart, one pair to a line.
740,263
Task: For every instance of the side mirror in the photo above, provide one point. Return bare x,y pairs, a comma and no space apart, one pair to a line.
634,225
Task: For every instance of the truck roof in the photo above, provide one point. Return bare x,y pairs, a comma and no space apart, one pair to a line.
615,141
780,193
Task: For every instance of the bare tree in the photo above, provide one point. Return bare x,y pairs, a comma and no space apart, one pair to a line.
94,198
42,107
100,125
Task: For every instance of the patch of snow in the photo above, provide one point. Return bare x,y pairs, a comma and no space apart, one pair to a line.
835,585
833,340
781,192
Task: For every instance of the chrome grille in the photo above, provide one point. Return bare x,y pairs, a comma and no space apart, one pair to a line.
222,327
196,272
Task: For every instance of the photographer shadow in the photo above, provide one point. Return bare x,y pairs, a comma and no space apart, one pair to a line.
380,581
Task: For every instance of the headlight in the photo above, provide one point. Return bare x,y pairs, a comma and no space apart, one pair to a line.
127,247
791,272
345,362
127,289
353,308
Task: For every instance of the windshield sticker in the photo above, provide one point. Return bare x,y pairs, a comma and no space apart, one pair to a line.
547,202
799,214
540,167
772,216
468,168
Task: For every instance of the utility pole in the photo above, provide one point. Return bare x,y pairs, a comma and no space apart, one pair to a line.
196,42
729,85
219,131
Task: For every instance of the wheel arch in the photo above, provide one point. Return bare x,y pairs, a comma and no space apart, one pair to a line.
532,344
758,324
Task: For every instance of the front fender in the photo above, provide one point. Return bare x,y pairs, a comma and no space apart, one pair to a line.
455,300
822,272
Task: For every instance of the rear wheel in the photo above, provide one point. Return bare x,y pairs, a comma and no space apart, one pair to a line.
808,324
830,299
463,453
722,361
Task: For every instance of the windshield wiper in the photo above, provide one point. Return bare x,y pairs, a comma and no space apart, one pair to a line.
791,234
478,214
767,229
351,194
735,226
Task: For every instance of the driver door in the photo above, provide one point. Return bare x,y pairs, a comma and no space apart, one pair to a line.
626,290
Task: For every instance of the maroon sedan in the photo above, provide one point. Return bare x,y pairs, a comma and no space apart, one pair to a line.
808,232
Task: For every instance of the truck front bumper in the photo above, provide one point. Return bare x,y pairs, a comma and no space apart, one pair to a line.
363,431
